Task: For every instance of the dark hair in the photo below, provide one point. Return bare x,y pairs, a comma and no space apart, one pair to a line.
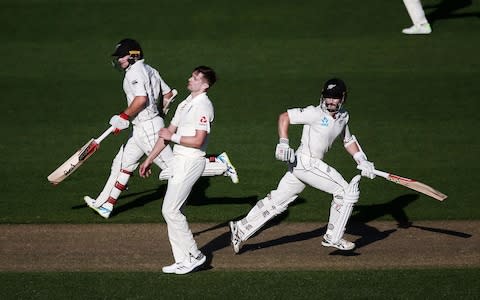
208,74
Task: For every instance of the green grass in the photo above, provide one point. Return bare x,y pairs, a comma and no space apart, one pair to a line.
412,99
375,284
413,104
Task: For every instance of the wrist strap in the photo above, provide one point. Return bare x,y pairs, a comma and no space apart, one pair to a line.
283,141
359,157
124,116
176,138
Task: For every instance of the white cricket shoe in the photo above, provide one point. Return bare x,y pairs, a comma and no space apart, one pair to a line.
231,171
189,264
418,29
342,244
104,210
170,269
236,240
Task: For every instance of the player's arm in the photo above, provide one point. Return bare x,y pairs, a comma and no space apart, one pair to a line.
122,120
283,123
283,152
353,147
138,104
195,141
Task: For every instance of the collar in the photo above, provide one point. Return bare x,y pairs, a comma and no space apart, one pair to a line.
130,66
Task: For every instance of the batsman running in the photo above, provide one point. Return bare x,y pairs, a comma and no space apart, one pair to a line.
322,124
143,85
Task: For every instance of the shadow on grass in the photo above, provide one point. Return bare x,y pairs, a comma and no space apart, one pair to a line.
446,10
197,197
358,226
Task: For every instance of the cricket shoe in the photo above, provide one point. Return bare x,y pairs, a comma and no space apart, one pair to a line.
170,269
104,210
236,240
418,29
231,171
189,264
342,244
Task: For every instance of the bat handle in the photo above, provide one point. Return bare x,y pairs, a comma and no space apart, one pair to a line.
104,135
381,173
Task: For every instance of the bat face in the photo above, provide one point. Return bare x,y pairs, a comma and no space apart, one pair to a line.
417,186
71,164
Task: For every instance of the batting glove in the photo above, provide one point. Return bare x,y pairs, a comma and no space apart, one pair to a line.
283,152
367,167
120,122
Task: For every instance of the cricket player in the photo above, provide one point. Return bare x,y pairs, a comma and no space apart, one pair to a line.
143,85
189,130
322,124
416,13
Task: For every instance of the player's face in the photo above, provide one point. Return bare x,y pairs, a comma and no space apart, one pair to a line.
123,61
332,104
196,83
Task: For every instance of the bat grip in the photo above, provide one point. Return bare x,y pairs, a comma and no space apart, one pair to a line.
381,173
104,135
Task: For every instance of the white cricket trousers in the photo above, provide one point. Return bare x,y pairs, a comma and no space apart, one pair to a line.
141,142
186,171
307,171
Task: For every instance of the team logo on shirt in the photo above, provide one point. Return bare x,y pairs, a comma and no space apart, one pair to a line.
203,120
324,122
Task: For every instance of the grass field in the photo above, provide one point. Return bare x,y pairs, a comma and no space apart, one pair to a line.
412,99
383,284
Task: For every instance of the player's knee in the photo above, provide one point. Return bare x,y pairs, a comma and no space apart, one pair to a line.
129,167
172,215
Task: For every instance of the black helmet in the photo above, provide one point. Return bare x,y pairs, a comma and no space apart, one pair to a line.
334,88
128,47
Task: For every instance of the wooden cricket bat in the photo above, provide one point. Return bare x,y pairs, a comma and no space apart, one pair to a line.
412,184
77,159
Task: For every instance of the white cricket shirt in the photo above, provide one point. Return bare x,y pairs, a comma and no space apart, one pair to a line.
193,114
320,129
143,80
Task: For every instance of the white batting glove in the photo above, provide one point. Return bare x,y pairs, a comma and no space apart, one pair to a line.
367,167
283,152
120,122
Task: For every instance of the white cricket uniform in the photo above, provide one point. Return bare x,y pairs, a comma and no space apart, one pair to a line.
140,80
320,130
192,114
143,80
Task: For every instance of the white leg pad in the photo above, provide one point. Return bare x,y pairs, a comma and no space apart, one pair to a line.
260,214
120,184
115,171
341,209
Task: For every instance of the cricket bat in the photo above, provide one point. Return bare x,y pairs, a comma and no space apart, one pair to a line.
77,159
412,184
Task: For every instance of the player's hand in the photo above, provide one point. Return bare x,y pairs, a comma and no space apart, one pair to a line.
120,122
144,169
165,134
367,168
283,152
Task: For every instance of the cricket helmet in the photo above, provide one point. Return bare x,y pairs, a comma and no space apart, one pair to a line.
127,47
334,88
